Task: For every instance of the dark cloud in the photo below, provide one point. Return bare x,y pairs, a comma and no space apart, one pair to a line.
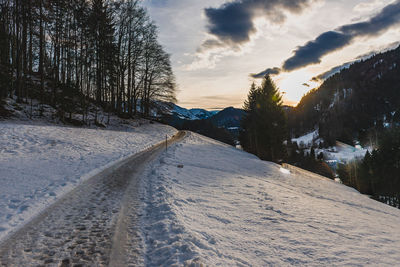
269,71
232,23
209,44
313,51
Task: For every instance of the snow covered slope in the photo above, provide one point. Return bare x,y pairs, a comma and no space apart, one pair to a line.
340,153
307,139
40,163
206,202
344,153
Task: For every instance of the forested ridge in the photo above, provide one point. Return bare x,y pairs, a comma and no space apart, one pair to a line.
361,103
354,103
72,53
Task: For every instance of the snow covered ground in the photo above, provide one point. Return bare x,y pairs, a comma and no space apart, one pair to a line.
307,139
344,153
39,163
206,202
341,152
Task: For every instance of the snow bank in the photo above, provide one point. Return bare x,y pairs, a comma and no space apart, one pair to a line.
39,163
209,203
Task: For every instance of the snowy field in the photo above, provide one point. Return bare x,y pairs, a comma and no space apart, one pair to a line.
39,163
209,203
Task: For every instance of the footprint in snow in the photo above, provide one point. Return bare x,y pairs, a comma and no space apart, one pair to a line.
23,208
12,206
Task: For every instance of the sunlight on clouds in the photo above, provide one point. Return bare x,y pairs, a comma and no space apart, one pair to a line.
220,67
266,25
268,30
292,84
369,6
208,58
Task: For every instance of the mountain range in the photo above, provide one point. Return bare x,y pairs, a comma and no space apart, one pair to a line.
221,125
227,118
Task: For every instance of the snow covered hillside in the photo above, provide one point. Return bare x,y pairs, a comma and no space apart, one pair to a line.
206,202
307,139
39,163
340,153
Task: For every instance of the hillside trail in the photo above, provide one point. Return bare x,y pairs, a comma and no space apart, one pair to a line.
96,224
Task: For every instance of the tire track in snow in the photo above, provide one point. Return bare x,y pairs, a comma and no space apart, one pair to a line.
95,224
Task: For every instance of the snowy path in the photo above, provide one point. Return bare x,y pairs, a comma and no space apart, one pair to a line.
41,163
79,228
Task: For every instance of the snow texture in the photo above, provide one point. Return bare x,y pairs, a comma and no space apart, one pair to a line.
39,163
307,139
344,153
209,203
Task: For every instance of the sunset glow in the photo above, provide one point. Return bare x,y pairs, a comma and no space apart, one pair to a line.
212,64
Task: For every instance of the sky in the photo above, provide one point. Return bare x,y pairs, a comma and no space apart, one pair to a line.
219,47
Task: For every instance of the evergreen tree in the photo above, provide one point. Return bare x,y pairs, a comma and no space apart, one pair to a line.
264,125
312,153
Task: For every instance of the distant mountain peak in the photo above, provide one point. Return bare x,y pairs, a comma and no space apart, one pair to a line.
184,113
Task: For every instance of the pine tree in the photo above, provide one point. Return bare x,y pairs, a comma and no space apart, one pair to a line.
264,125
312,153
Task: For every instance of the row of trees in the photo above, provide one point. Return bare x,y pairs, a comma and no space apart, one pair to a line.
79,51
378,174
264,131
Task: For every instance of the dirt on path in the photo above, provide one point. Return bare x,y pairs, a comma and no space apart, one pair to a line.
96,224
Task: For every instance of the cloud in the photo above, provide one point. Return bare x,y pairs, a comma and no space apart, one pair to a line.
380,49
334,70
212,102
328,42
209,44
269,71
313,51
232,26
369,6
233,23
